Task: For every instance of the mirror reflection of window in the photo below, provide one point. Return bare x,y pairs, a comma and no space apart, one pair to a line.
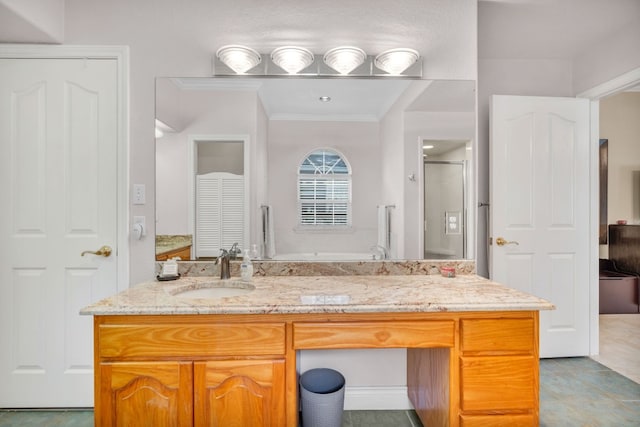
324,190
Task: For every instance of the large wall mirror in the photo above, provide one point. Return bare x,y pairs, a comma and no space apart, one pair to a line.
388,174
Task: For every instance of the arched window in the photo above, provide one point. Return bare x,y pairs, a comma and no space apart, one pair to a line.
324,189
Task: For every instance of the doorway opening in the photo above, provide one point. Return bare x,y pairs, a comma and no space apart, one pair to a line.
219,190
445,196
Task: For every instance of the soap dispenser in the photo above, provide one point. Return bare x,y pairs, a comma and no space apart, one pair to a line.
246,268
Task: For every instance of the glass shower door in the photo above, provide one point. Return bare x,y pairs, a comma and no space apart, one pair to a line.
444,209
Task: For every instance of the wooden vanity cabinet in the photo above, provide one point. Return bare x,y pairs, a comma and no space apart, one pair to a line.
464,369
184,253
489,377
189,372
498,369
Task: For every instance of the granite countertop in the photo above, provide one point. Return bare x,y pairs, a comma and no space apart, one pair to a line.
167,242
324,294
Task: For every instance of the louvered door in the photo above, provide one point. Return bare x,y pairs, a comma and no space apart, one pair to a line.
219,212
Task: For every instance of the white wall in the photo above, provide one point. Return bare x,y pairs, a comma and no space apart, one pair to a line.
608,58
207,112
32,21
259,167
620,124
168,104
289,142
398,162
220,156
171,206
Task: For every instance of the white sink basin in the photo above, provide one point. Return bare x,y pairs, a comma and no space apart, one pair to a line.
219,289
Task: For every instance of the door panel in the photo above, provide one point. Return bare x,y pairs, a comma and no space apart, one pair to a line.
239,393
146,394
540,206
58,128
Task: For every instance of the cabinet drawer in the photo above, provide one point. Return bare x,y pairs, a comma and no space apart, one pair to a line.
408,334
498,335
521,420
498,383
197,340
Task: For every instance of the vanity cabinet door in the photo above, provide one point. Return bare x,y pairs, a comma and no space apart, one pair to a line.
239,393
146,394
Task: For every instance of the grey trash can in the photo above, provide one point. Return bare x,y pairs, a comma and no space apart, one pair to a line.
322,398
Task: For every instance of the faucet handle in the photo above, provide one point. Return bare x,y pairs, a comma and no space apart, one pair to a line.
223,254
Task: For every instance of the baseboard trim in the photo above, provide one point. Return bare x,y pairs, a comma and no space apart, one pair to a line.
372,398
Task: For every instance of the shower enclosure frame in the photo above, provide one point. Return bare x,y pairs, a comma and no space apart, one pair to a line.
464,214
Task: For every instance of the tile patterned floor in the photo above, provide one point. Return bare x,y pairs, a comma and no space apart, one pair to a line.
573,392
583,393
380,419
46,418
620,344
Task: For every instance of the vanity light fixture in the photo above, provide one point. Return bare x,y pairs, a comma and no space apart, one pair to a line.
395,61
292,59
427,147
239,58
344,59
324,98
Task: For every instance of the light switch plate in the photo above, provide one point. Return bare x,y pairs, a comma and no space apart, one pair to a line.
139,194
452,222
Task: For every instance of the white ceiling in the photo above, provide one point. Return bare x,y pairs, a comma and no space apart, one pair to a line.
351,99
299,98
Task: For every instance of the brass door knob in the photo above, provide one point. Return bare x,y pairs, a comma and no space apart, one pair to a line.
500,241
104,251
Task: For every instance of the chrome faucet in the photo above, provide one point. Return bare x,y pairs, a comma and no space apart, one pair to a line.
382,252
224,265
234,251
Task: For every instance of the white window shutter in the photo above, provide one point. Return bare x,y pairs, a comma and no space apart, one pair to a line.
232,211
219,212
324,190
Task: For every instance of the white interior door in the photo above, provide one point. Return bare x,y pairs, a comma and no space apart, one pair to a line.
540,199
59,139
